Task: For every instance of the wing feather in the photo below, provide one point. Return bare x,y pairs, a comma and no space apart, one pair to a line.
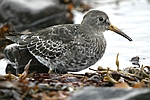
50,45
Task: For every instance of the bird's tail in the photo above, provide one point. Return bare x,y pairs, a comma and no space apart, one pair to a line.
13,36
18,38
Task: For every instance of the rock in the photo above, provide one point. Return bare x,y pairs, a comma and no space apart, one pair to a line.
23,16
110,93
79,5
135,60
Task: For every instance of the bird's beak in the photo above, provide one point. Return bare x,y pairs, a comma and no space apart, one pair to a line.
115,29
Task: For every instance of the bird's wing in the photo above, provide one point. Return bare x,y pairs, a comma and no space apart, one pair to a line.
49,43
45,44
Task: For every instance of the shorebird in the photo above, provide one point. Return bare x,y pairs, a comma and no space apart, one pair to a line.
69,47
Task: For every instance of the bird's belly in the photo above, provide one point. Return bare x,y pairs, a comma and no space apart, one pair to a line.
82,56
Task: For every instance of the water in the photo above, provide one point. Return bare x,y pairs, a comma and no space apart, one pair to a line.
132,17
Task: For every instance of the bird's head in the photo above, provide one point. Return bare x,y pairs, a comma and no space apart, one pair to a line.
99,21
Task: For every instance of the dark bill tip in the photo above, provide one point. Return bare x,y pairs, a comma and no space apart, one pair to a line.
116,30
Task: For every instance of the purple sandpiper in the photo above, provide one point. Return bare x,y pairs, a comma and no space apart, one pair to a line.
69,47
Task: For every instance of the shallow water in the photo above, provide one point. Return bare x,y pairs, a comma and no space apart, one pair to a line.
132,17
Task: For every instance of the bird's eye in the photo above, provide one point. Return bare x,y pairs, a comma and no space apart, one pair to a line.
100,18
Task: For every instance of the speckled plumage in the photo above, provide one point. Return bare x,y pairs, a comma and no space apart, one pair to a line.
68,47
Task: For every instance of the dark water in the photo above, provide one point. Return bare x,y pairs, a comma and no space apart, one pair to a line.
132,17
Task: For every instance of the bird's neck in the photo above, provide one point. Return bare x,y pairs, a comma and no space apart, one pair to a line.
89,30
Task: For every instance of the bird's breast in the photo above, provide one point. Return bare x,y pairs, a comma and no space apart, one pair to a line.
85,52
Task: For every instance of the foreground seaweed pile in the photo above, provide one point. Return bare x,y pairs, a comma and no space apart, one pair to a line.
59,86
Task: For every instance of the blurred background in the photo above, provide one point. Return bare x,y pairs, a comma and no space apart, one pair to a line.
131,16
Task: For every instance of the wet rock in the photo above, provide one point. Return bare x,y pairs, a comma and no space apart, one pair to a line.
79,5
135,60
8,27
98,93
23,16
